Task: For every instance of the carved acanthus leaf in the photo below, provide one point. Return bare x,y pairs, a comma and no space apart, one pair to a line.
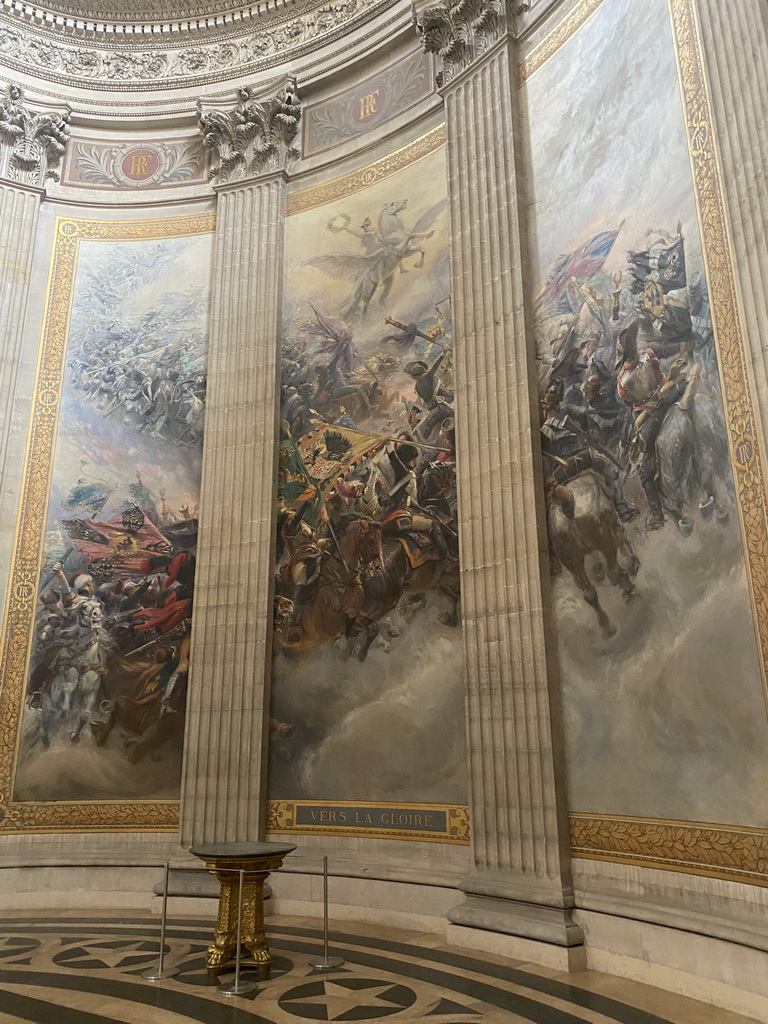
461,31
31,144
257,137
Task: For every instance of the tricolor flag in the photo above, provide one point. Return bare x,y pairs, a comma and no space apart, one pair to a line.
561,293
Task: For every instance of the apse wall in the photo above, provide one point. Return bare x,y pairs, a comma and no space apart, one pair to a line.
551,748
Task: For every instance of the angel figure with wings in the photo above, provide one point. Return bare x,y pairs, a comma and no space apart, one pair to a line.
385,249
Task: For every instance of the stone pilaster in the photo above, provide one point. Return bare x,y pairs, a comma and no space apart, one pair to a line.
31,146
734,38
227,716
19,206
520,884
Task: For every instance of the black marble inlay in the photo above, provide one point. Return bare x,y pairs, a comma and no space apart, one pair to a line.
347,999
448,1006
17,949
611,1008
106,946
111,954
196,1008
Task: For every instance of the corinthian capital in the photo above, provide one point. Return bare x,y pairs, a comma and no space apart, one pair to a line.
31,144
257,137
460,31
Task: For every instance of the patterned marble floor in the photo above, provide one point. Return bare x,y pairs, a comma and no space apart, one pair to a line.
78,969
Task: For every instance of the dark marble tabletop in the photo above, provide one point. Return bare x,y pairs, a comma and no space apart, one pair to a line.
241,851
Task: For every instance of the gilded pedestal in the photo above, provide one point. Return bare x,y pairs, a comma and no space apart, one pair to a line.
225,861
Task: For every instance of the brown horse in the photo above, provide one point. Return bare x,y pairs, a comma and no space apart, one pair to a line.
400,583
335,597
582,520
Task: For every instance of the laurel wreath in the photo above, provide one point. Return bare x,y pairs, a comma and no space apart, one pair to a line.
333,224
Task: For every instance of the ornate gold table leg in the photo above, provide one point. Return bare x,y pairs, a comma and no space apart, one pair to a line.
225,860
223,948
253,935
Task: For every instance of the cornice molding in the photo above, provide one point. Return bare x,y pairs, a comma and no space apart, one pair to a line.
124,63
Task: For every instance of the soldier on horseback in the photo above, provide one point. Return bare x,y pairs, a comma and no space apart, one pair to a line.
572,450
394,483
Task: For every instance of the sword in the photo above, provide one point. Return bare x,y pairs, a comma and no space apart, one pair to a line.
166,636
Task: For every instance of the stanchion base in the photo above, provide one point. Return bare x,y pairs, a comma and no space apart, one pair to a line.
154,975
329,964
243,988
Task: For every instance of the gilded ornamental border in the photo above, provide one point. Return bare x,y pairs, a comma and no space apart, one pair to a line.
743,434
424,823
560,34
720,851
18,620
364,177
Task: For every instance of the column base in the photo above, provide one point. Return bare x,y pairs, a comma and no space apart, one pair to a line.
523,931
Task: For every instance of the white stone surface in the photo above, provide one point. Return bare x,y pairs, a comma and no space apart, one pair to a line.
731,976
544,954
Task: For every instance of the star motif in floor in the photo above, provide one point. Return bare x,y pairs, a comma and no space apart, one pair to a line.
111,954
17,949
347,999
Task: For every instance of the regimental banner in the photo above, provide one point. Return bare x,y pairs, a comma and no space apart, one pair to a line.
96,632
437,823
647,422
367,698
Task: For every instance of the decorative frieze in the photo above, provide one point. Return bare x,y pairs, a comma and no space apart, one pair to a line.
31,144
150,164
256,137
200,60
461,31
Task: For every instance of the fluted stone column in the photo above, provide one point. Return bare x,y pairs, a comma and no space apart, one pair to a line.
19,206
228,704
520,884
31,146
734,38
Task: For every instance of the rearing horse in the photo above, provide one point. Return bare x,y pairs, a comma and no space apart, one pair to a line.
335,597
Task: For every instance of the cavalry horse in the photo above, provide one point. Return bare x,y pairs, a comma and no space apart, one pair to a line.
335,597
582,521
401,584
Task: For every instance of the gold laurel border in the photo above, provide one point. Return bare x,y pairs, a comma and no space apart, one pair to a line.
364,177
281,817
719,851
18,619
743,434
560,34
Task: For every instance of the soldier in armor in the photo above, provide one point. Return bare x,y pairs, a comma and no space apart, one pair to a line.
566,446
643,386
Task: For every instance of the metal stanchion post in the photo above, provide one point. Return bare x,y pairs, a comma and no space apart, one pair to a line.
160,972
328,963
239,988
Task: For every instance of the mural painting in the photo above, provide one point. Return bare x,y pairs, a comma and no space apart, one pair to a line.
102,713
661,674
367,697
